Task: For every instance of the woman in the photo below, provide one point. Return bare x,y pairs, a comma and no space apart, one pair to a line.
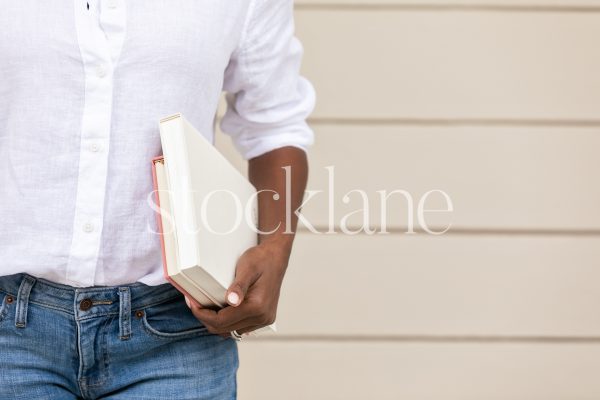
86,312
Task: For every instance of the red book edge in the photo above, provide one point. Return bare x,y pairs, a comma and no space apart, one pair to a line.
162,240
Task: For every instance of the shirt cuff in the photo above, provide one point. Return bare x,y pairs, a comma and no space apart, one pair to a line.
251,146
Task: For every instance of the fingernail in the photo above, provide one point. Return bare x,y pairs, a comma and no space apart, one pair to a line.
233,298
188,302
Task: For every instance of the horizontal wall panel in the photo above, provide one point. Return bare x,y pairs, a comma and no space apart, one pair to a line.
536,178
444,3
508,178
390,285
423,64
388,371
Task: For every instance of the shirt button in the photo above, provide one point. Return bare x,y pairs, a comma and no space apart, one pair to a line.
101,71
95,147
88,227
85,304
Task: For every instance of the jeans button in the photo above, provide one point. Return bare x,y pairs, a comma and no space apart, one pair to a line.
85,304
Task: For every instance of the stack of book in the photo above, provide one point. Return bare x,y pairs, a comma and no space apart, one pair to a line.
207,213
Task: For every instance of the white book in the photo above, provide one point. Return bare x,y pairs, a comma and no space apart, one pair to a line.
208,213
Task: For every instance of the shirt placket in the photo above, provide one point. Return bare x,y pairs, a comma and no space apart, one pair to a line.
100,31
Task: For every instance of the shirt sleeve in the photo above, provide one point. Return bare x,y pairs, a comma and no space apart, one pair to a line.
268,100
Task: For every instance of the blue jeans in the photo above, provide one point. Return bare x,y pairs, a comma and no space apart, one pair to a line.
124,342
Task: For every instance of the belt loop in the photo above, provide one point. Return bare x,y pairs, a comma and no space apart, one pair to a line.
23,301
124,313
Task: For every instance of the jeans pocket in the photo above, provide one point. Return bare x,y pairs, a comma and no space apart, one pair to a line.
171,320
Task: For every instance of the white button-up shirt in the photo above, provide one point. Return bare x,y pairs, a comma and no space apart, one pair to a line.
82,87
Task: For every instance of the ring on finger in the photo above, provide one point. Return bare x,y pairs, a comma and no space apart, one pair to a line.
234,334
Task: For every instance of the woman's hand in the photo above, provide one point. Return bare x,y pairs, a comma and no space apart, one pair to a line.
254,294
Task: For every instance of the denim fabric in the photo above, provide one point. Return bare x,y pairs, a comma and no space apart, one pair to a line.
123,342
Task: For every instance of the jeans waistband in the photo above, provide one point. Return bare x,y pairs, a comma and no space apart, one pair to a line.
86,302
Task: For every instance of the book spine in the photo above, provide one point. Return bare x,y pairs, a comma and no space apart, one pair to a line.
161,232
179,181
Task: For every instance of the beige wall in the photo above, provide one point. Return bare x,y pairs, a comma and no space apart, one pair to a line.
496,102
